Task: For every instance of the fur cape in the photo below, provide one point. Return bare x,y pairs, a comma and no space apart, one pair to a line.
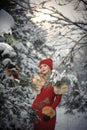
39,81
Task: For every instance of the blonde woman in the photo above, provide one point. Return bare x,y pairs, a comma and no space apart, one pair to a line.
46,100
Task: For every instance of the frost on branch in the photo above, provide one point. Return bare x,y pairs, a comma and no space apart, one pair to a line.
6,22
15,101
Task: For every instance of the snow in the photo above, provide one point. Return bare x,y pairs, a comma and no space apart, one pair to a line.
4,46
78,121
6,61
22,48
6,49
6,22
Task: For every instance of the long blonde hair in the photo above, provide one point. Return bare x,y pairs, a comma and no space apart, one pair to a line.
46,76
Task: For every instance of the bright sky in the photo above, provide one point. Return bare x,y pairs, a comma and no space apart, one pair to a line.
67,10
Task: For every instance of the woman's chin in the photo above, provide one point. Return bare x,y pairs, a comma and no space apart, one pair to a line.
44,73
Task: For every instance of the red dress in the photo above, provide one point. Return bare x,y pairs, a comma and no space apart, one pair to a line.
46,97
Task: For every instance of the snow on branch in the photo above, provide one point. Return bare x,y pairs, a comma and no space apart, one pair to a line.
6,22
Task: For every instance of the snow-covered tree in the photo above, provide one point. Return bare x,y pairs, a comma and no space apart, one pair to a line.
16,100
42,29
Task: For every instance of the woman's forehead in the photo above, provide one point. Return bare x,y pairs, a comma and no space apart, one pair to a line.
44,65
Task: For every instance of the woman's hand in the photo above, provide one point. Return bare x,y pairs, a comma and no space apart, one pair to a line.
48,111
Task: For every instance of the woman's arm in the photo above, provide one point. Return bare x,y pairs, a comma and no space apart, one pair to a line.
56,101
50,110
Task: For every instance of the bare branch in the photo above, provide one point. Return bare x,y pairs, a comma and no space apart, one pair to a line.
84,2
72,49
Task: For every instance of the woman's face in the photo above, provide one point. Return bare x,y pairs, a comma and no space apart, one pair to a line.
44,69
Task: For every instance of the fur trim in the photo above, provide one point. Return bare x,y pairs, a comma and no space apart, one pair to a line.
49,111
38,81
36,90
61,90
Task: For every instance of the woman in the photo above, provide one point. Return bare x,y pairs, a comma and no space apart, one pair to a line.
46,100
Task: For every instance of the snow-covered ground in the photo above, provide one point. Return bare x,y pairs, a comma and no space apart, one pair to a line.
78,121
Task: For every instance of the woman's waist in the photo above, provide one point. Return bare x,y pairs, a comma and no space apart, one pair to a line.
42,103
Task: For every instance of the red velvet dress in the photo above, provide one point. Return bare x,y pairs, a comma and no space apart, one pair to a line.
46,97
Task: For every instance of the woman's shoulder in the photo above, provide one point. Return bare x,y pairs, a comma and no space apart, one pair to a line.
61,90
38,80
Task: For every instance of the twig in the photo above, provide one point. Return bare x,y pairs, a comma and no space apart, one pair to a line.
72,49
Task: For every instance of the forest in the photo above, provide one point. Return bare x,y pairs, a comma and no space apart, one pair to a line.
29,31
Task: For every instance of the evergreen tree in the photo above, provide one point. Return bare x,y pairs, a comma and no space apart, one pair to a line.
16,111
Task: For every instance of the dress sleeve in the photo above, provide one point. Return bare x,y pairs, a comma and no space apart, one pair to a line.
56,101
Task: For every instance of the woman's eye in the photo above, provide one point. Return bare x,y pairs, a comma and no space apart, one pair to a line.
45,65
